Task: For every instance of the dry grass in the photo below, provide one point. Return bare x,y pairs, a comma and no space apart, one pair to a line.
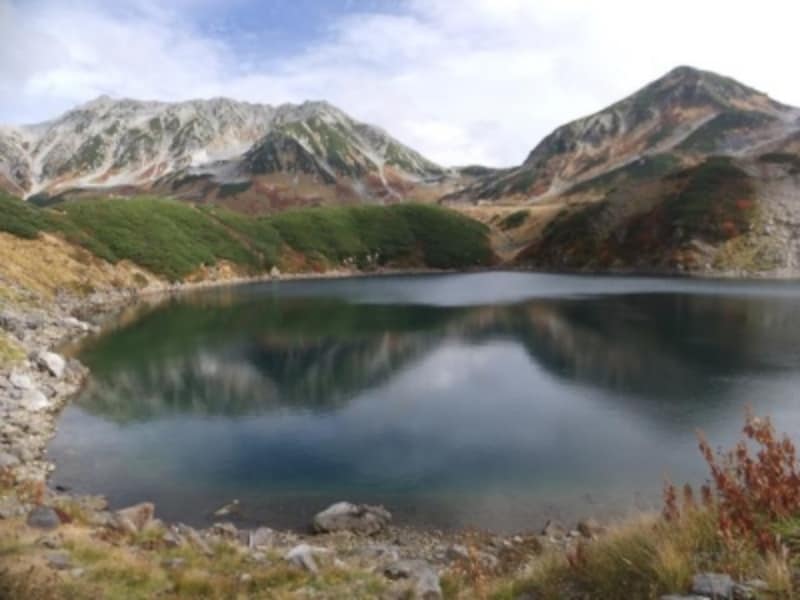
10,351
47,264
134,568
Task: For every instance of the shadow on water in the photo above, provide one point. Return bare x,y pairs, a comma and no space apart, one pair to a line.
453,414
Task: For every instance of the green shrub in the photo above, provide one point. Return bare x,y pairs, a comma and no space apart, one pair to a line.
448,239
167,237
514,220
19,218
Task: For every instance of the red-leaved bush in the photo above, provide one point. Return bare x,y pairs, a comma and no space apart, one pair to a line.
752,487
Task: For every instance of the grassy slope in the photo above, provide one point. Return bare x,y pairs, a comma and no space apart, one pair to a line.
174,239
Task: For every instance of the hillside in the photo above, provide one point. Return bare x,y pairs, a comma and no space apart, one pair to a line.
254,157
720,217
180,242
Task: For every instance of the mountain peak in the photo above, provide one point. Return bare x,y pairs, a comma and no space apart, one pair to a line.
687,111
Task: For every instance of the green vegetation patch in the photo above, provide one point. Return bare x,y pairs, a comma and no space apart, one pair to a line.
715,203
19,218
708,137
10,351
514,220
782,158
231,189
164,236
174,239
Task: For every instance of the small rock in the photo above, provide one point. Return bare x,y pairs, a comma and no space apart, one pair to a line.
245,578
135,518
457,552
21,381
52,363
43,517
228,509
263,537
554,530
77,573
35,401
258,557
426,581
76,324
8,461
225,530
357,518
275,272
53,542
590,528
59,561
714,585
173,563
302,556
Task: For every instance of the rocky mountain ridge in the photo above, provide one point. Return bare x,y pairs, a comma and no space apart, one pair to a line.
110,145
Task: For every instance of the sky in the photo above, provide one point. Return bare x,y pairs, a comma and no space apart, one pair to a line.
462,81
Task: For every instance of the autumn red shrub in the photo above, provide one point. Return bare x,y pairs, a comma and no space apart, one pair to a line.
753,486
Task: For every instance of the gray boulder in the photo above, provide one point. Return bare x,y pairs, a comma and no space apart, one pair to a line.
717,586
303,556
35,401
356,518
425,580
20,381
43,517
263,537
59,561
52,363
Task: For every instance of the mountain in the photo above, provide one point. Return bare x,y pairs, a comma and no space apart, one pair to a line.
678,119
211,150
694,173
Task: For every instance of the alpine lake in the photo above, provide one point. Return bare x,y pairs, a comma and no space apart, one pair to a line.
488,400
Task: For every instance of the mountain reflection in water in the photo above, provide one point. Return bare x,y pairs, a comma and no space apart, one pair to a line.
470,412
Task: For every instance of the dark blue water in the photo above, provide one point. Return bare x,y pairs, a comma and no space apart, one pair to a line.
489,400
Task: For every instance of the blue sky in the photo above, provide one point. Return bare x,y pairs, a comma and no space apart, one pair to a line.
462,81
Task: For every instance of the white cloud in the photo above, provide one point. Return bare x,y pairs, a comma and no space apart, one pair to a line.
472,81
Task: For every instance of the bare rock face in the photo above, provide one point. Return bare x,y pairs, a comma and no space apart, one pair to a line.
356,518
